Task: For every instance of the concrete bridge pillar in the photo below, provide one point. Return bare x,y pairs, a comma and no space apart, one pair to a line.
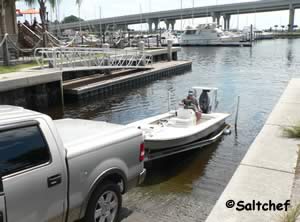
216,17
173,25
150,26
156,22
167,24
218,20
226,22
124,27
291,18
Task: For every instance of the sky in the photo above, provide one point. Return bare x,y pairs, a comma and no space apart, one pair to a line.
90,9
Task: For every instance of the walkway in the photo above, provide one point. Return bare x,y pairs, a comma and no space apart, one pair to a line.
267,171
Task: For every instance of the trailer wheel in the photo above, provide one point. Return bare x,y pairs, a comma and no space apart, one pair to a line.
105,203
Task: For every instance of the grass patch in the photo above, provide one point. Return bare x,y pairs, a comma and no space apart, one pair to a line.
292,132
15,68
291,215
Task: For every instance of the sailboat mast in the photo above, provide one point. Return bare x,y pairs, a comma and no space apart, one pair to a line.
141,17
193,12
100,25
79,6
181,14
207,15
57,15
238,19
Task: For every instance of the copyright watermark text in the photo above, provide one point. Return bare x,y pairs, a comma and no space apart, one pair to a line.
257,205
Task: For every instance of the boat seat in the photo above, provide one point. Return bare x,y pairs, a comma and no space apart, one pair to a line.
184,118
178,122
185,113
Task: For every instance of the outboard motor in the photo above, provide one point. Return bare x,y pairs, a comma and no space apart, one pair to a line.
204,102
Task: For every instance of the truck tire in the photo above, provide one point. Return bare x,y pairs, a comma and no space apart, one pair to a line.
104,204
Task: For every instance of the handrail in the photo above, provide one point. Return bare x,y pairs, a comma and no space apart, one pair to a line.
29,30
40,29
76,57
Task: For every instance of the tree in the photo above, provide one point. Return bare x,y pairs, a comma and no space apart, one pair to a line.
71,18
4,4
43,13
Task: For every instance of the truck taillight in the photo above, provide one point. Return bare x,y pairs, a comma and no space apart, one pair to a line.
142,152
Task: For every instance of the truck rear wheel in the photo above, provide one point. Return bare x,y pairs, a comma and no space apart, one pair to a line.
105,203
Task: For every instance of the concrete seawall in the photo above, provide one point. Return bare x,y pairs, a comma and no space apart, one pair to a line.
43,89
37,90
267,172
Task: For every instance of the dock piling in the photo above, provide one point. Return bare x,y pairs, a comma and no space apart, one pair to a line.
170,43
237,113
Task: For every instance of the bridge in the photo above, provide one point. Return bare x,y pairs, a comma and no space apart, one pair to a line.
170,16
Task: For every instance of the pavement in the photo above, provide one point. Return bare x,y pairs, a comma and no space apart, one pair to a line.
268,170
28,78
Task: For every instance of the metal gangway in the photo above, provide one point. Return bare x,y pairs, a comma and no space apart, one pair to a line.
79,58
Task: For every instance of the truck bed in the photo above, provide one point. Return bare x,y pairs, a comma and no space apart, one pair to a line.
79,135
74,130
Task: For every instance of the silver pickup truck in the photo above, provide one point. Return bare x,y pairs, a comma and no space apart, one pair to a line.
65,170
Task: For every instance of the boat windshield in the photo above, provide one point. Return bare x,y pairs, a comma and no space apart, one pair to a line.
190,32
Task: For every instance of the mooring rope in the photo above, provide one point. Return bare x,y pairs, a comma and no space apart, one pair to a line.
3,40
61,44
23,50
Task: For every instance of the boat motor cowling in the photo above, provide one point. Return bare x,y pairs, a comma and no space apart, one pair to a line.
204,102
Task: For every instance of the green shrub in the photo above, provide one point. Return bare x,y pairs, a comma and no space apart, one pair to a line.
292,132
291,215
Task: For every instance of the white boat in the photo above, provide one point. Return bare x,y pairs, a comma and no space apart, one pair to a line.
180,127
167,35
257,34
210,35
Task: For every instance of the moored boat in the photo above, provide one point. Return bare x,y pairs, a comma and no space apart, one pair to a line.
180,127
210,35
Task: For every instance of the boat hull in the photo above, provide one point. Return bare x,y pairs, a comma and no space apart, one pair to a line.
158,145
215,43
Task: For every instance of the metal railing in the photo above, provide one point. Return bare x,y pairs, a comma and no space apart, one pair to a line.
66,57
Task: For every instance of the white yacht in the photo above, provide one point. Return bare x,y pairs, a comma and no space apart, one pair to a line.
210,35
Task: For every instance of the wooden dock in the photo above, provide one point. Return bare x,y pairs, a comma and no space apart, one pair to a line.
109,84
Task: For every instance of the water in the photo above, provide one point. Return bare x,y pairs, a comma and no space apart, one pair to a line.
185,187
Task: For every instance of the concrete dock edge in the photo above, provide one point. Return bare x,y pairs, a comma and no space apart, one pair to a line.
33,89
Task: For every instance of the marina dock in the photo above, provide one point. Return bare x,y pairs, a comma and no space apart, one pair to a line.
70,84
101,85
